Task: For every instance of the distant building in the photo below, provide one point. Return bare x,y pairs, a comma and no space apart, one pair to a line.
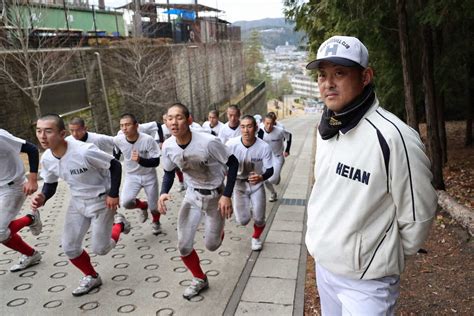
305,86
285,49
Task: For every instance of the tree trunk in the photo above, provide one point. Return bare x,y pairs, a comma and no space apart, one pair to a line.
434,144
470,106
410,107
440,98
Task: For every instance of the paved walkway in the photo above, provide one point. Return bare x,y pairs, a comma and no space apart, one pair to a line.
144,274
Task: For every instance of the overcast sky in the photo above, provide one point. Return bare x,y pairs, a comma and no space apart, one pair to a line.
235,10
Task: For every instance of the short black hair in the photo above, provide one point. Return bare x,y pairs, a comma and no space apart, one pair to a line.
271,115
130,116
54,117
214,112
249,117
234,107
77,121
183,108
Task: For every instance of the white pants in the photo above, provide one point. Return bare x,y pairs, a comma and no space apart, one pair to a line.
246,197
11,200
343,296
133,184
189,217
277,161
81,214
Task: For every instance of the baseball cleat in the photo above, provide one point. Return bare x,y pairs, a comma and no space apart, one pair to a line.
257,244
120,219
273,197
87,284
156,228
26,262
197,285
36,226
143,216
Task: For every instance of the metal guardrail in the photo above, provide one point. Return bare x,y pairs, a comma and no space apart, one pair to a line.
251,95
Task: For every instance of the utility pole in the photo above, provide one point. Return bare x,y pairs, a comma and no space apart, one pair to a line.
137,19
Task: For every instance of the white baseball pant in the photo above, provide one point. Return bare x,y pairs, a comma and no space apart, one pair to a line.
343,296
133,184
11,200
246,197
189,217
82,214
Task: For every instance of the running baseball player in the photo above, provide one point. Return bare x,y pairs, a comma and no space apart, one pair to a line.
13,192
78,130
141,156
213,125
255,166
93,177
275,137
204,161
231,128
179,174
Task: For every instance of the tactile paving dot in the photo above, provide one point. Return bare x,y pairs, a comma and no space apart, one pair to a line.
53,304
122,265
140,240
137,234
151,267
235,238
9,252
6,261
165,312
125,292
144,248
212,273
119,246
161,294
58,275
126,308
27,274
196,298
120,277
205,262
171,249
23,287
165,241
152,279
185,283
118,255
60,263
61,254
17,302
94,264
147,256
57,288
224,253
199,251
94,291
89,306
2,272
175,258
180,269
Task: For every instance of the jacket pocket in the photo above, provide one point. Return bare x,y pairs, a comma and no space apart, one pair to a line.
357,249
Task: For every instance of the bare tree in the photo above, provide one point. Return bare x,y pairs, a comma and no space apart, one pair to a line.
29,57
143,72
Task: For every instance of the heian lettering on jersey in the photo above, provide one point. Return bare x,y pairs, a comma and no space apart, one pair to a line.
353,173
77,171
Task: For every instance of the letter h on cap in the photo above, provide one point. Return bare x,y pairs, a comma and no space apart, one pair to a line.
331,50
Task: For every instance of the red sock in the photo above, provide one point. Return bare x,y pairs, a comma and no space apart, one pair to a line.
257,231
141,204
191,261
179,174
156,217
83,263
116,231
16,243
19,223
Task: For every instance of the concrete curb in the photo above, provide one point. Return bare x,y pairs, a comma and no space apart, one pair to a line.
462,214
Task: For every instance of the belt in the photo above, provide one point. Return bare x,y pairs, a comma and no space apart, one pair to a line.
11,183
206,191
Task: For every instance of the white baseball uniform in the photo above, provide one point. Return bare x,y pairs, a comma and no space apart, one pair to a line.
12,177
103,142
203,162
256,158
227,132
213,130
276,140
85,169
137,176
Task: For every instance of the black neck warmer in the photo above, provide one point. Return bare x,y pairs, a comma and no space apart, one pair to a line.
332,123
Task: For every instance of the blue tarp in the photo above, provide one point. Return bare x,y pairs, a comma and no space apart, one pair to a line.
188,15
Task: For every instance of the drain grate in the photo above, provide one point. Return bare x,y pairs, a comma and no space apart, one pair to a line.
300,202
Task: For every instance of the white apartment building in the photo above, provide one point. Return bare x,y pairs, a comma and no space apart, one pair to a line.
305,86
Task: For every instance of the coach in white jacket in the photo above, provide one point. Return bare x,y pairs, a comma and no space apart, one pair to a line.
372,203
